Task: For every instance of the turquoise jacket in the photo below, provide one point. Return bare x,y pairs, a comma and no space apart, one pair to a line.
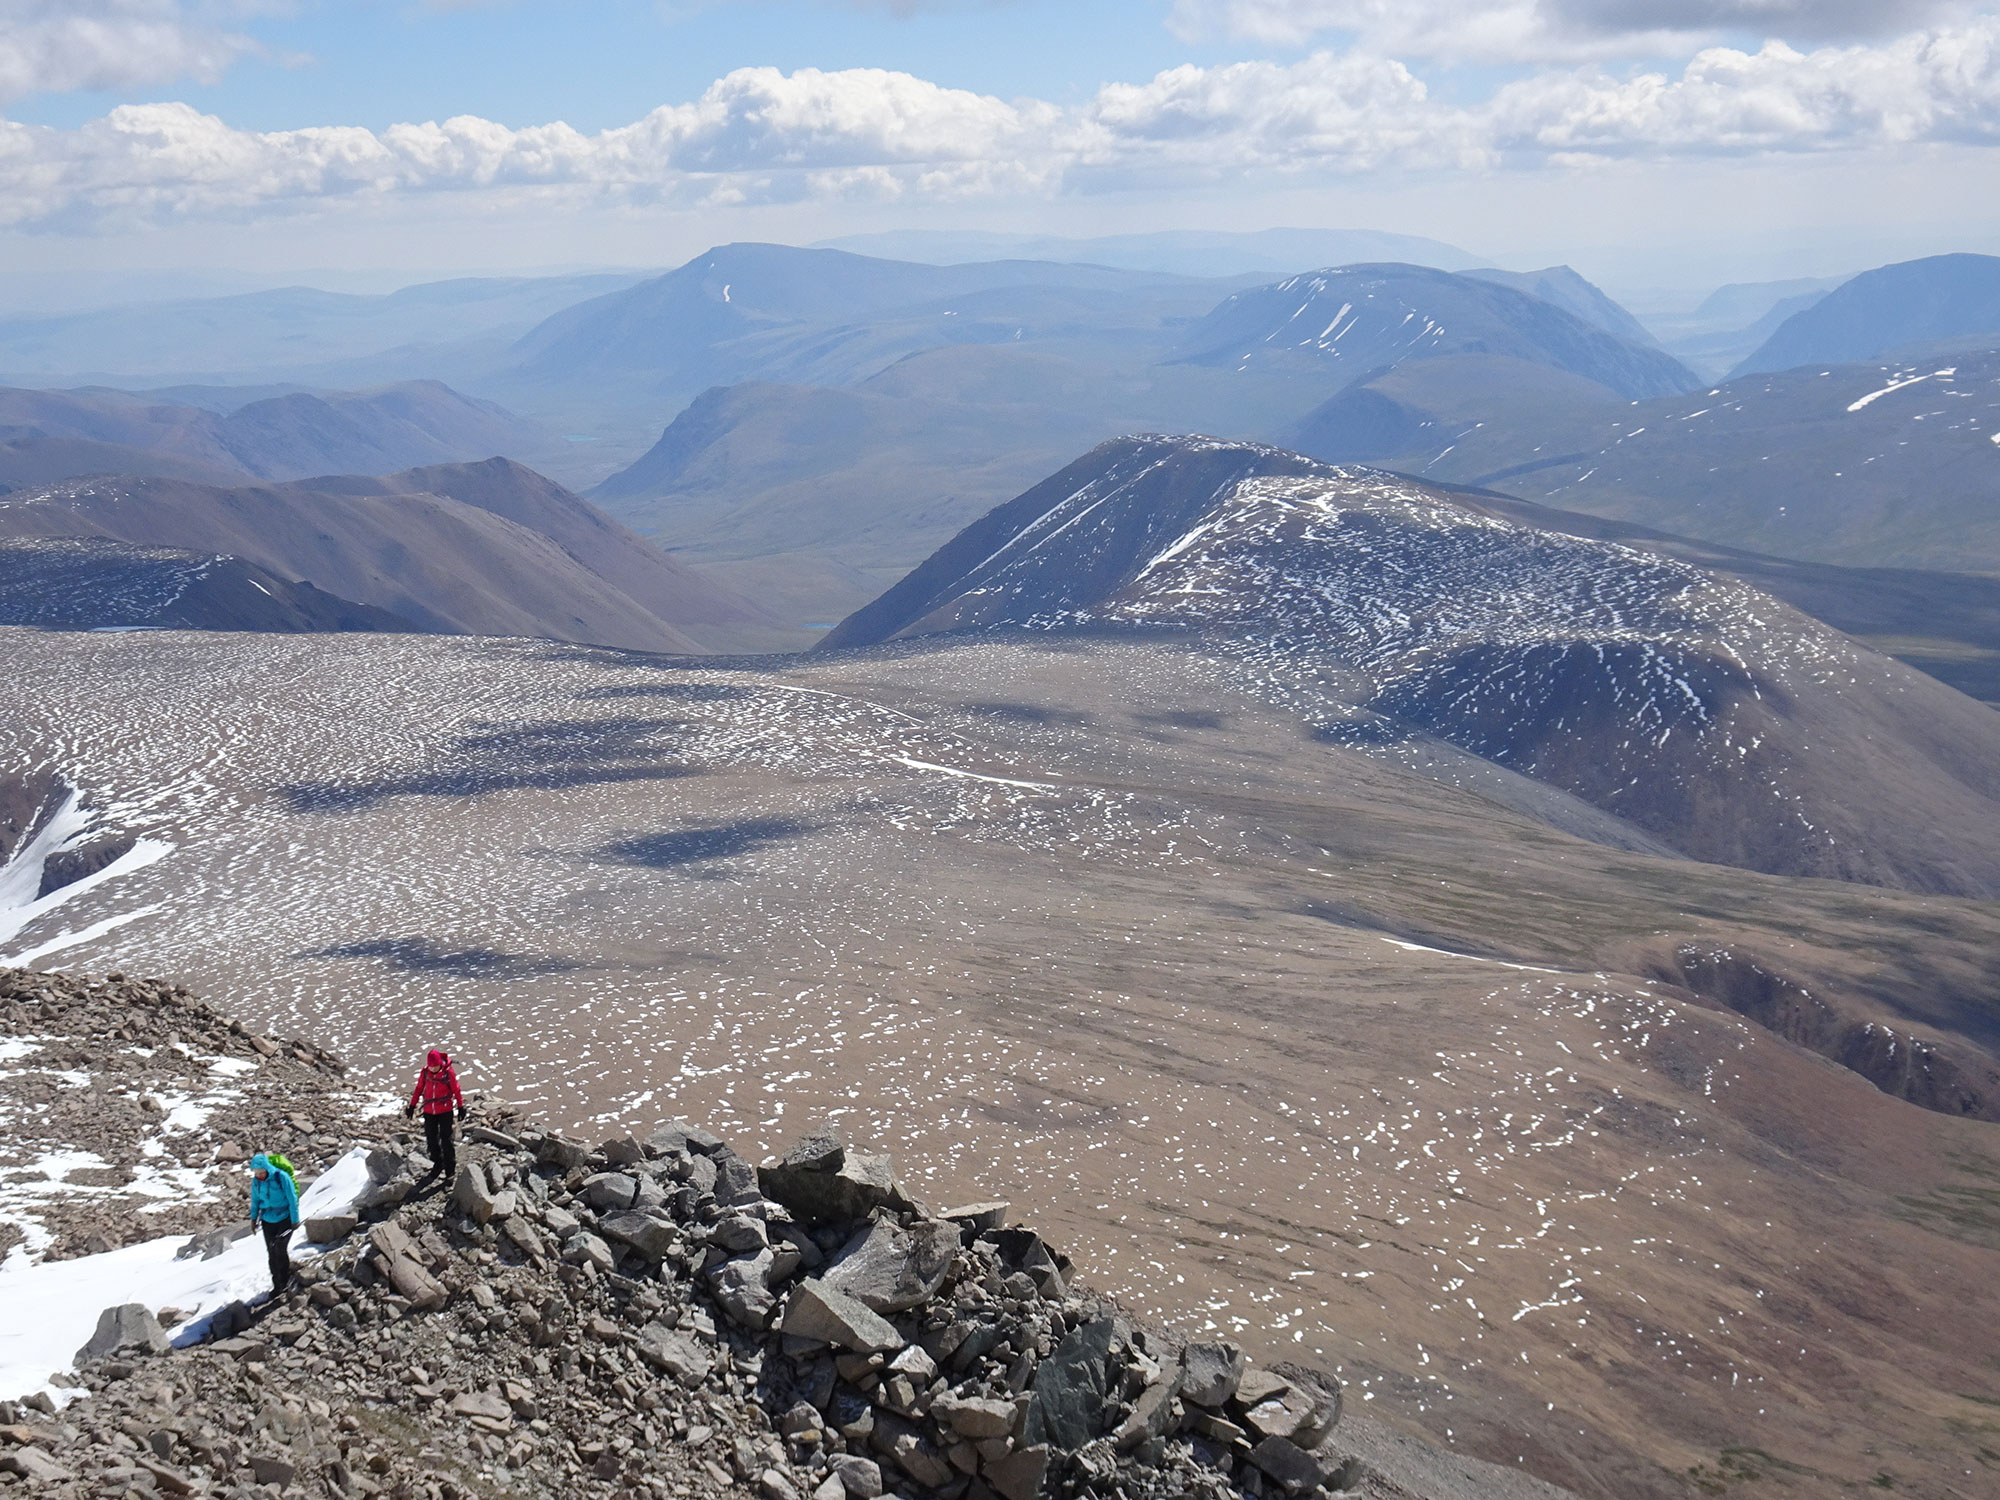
273,1200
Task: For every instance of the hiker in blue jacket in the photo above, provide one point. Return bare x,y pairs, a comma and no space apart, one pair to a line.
274,1208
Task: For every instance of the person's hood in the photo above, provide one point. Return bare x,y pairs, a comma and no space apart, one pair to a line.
435,1059
261,1163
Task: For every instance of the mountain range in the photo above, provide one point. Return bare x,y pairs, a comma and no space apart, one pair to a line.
484,549
50,435
1710,716
1915,309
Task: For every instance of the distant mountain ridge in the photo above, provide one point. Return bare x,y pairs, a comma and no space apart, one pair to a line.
1369,317
1679,702
48,435
1934,305
1180,252
481,549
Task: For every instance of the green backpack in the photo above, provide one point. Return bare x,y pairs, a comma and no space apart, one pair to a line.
286,1167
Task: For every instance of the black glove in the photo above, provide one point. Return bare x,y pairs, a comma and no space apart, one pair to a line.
461,1114
409,1111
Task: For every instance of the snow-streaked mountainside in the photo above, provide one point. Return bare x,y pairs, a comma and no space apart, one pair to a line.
1700,710
1939,303
486,549
1864,465
1363,317
90,583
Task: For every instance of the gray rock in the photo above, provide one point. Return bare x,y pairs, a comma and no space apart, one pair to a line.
980,1218
585,1248
562,1154
892,1269
742,1286
211,1244
860,1477
817,1311
1018,1476
974,1417
386,1194
1297,1471
652,1237
735,1180
622,1151
470,1192
680,1354
773,1485
610,1191
699,1139
739,1234
129,1326
701,1176
386,1164
822,1182
1151,1415
329,1229
1259,1386
1211,1373
33,1465
1071,1391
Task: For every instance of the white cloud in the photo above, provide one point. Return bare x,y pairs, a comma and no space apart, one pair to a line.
1551,30
55,46
762,136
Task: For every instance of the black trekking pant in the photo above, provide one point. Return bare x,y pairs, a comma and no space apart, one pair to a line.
441,1144
277,1236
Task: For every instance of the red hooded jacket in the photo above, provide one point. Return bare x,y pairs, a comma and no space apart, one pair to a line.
437,1086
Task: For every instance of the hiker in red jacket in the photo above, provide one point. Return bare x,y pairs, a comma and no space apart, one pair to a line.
437,1091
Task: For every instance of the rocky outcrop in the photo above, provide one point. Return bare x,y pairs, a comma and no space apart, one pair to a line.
620,1321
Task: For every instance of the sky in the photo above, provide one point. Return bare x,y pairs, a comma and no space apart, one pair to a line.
1645,142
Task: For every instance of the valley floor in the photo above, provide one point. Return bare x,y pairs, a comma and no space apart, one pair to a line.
1287,1040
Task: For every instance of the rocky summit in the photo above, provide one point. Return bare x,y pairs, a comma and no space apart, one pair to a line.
645,1317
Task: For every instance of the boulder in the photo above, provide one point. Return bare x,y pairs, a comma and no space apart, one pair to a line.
1211,1373
130,1326
978,1218
1258,1386
585,1248
562,1154
470,1192
680,1354
860,1477
33,1465
1018,1476
822,1182
652,1237
385,1164
974,1417
739,1233
424,1291
622,1151
489,1404
1294,1469
328,1229
735,1180
827,1314
1151,1415
892,1269
212,1243
1071,1393
742,1286
611,1191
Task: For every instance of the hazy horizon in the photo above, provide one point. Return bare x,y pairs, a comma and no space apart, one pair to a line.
418,141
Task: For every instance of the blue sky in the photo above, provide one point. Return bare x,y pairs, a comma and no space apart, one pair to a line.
1769,136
